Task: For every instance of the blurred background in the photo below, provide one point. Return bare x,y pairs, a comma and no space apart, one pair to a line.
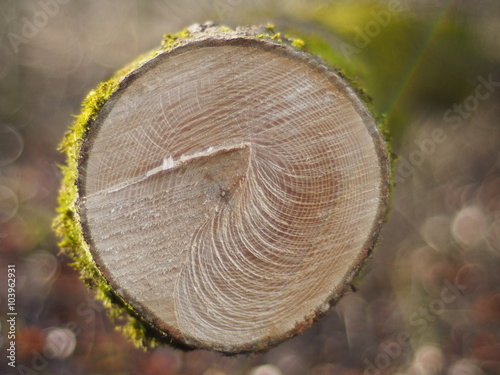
429,299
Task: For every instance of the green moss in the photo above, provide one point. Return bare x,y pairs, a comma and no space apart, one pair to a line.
277,37
272,34
173,40
298,43
270,28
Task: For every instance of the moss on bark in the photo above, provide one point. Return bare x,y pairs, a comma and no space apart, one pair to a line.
67,222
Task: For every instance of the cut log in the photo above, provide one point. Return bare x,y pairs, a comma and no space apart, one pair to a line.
230,189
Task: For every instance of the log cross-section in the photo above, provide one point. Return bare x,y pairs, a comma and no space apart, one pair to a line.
230,189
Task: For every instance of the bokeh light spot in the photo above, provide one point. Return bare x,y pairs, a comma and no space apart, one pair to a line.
429,359
266,370
469,226
59,343
11,145
435,232
42,266
8,204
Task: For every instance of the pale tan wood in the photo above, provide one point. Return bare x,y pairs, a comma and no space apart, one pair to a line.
230,190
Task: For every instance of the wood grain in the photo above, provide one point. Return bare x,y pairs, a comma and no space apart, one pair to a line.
230,190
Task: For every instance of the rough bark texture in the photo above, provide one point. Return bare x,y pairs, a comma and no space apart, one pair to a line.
229,189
